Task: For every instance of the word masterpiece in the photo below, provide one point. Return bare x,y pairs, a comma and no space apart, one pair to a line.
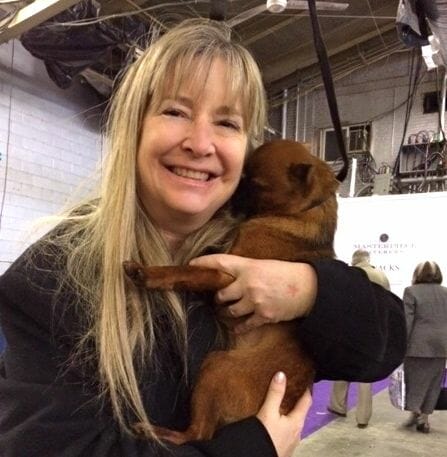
385,248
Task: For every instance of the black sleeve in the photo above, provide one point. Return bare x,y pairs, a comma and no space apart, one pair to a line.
356,330
61,421
46,412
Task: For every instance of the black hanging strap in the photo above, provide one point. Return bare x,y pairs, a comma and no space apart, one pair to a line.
329,87
218,10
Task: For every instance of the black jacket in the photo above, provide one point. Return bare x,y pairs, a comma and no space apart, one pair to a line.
49,408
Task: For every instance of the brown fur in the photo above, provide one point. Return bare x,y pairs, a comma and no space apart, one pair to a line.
291,215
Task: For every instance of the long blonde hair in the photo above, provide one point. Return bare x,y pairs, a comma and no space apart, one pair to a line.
99,235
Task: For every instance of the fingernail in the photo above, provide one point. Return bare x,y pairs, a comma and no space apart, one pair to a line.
280,377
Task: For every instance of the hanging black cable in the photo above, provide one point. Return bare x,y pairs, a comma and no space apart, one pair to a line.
415,78
218,10
329,87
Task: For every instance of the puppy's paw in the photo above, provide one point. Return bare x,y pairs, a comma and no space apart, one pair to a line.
172,436
135,272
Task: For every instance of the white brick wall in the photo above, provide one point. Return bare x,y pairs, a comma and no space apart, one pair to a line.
49,144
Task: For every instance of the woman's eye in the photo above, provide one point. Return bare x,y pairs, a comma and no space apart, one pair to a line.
173,112
230,124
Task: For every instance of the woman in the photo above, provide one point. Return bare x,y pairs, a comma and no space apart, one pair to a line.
88,355
426,313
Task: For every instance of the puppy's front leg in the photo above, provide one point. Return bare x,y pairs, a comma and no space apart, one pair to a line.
177,277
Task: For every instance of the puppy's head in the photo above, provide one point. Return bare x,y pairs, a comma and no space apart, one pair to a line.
284,178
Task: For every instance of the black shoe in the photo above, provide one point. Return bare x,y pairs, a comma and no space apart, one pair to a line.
362,425
336,412
412,420
423,428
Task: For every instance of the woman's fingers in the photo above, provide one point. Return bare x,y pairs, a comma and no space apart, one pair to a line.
284,430
229,294
274,396
250,323
270,290
300,410
225,262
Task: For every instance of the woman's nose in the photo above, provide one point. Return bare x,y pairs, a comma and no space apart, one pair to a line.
199,139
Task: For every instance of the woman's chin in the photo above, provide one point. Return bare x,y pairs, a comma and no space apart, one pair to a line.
193,207
189,213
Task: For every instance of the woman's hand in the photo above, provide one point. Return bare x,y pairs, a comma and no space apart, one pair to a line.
264,291
284,430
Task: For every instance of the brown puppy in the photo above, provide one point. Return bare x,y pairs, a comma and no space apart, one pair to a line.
291,215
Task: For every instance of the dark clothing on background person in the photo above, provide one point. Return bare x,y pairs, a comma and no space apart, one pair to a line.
425,360
49,405
338,401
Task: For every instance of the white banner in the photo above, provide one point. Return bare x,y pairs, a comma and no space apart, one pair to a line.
399,231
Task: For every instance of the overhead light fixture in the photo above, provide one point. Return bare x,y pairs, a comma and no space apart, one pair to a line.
430,53
276,6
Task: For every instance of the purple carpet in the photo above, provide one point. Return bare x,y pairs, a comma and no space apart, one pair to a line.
319,416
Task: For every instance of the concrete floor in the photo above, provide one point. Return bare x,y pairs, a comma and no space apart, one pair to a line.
384,437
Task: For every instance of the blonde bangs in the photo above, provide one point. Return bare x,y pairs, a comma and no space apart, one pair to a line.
192,72
190,67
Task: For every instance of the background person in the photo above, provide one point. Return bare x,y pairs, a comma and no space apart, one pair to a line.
338,402
89,355
426,313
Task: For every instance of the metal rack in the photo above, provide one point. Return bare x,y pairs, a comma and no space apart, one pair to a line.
424,159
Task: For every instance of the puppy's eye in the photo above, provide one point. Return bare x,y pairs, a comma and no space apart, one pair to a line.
259,184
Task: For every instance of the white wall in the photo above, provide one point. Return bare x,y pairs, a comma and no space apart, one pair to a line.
374,93
49,143
413,223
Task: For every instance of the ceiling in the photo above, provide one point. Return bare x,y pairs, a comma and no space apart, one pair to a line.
282,43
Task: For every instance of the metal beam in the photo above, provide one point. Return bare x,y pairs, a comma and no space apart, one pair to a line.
33,14
290,62
150,16
273,29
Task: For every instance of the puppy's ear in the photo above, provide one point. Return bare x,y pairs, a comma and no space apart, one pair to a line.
299,171
314,182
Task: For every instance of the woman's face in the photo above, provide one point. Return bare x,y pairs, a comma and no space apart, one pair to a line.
191,154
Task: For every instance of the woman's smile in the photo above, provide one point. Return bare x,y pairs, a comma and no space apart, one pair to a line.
195,175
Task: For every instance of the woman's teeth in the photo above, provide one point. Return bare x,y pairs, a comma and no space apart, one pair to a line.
193,174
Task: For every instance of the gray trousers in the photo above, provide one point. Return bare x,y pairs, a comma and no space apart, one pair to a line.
423,378
339,400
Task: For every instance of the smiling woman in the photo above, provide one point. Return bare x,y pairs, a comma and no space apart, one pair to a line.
89,355
191,154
